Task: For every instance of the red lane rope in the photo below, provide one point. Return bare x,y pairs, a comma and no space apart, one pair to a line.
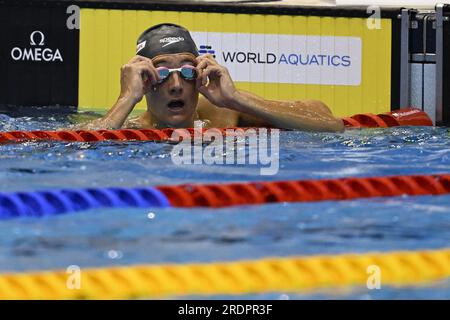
224,195
55,202
122,134
402,117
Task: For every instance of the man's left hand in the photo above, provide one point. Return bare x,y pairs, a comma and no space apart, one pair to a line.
214,82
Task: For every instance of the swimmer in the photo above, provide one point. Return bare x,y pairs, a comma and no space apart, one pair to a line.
183,88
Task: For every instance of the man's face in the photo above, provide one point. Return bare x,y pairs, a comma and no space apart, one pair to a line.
174,101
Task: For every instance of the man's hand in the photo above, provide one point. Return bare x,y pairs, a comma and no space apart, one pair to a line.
214,82
137,77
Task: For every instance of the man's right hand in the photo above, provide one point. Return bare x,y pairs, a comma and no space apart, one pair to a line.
137,77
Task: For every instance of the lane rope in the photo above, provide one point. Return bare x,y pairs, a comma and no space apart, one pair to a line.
291,274
163,135
402,117
215,195
54,202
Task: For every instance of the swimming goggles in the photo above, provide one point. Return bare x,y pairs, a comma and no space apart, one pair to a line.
187,72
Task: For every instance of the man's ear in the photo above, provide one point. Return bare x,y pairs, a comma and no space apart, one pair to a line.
148,99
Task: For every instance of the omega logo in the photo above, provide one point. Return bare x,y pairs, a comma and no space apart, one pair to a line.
37,51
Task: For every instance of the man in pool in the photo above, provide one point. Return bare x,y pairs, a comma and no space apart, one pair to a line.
169,72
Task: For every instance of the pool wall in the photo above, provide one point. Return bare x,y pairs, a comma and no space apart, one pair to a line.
107,40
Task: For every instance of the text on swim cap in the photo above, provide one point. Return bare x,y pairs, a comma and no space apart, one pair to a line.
170,40
140,46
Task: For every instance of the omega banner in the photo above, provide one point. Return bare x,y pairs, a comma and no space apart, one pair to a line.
38,57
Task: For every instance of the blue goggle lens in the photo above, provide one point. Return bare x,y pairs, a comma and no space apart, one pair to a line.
187,73
163,73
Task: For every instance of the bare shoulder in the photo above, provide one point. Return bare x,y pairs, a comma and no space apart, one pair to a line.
217,117
133,123
223,117
142,121
317,105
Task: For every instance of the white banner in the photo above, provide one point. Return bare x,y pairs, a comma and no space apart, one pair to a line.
295,59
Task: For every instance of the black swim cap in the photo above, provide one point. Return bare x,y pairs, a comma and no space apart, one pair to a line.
165,38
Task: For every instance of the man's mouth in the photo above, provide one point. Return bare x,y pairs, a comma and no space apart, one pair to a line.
176,105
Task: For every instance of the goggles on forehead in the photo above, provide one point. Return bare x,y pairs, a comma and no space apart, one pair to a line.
187,72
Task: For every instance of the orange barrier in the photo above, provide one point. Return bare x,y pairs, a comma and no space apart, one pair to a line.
402,117
224,195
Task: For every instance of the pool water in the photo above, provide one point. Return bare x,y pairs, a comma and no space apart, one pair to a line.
113,237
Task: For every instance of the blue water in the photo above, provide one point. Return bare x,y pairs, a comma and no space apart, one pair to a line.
110,237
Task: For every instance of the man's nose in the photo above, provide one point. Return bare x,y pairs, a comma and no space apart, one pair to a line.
175,83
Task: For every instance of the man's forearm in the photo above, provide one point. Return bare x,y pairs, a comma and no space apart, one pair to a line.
304,115
114,118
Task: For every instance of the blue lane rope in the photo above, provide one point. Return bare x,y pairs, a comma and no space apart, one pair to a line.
53,202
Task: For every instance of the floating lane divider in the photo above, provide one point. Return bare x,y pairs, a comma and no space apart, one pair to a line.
291,274
87,135
168,134
402,117
52,202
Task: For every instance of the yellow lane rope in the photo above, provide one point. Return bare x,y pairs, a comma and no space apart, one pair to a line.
234,278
